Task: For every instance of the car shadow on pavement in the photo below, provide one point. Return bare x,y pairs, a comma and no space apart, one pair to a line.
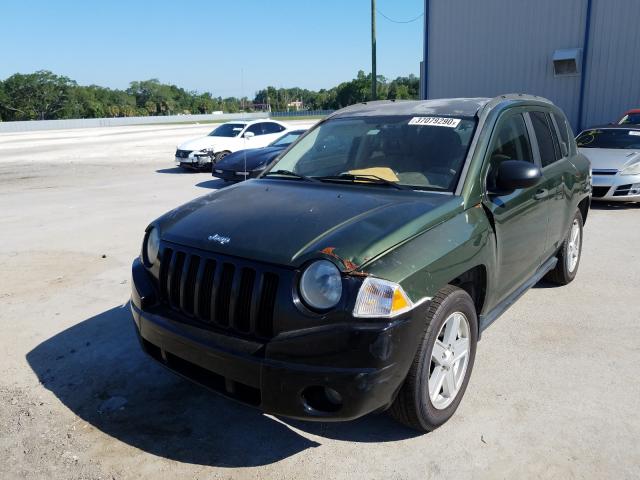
97,369
544,284
615,205
214,184
179,170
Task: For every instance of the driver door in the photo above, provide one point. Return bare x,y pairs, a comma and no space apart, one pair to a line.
519,216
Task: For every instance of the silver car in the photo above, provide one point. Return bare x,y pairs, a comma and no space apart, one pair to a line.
614,152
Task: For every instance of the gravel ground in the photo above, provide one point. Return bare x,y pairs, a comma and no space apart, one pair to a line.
554,391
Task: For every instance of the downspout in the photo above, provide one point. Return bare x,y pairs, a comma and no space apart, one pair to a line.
585,50
425,53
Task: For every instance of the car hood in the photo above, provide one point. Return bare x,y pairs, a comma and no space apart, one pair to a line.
196,144
610,158
288,222
254,157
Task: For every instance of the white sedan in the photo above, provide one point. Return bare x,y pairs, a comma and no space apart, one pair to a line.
228,138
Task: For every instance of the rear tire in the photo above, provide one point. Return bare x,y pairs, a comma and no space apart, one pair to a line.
569,254
436,381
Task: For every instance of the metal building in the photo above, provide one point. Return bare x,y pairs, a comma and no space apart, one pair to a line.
584,55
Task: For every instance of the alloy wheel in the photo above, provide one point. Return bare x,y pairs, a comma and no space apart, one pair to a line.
573,248
449,360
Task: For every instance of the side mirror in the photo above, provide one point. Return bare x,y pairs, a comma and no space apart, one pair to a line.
249,135
515,174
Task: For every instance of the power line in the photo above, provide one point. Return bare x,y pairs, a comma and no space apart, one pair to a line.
400,21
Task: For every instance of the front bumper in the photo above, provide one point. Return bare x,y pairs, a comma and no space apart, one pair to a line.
193,160
235,176
616,188
288,375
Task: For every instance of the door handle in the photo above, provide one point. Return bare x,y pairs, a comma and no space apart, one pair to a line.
541,194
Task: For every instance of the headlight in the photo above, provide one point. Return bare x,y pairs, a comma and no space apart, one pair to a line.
381,298
151,247
321,285
633,169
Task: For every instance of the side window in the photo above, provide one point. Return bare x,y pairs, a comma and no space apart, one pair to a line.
271,127
510,142
256,129
549,151
563,127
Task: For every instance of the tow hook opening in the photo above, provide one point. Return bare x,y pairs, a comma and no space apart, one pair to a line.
321,399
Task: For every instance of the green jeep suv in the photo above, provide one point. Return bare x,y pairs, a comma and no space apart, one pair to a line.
357,273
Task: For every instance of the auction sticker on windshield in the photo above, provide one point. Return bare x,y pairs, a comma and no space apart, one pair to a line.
435,121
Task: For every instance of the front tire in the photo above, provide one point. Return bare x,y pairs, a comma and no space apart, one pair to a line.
441,368
219,156
569,254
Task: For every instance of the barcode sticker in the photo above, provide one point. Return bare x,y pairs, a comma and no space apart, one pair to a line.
435,121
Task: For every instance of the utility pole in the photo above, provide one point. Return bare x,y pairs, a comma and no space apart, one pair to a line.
374,95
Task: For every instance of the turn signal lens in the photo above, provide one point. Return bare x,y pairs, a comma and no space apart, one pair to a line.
380,298
400,301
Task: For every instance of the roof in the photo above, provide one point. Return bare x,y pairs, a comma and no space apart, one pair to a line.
461,107
613,126
251,122
464,107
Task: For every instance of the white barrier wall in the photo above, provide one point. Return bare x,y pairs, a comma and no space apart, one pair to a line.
33,125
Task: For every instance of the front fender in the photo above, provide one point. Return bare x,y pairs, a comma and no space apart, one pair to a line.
433,259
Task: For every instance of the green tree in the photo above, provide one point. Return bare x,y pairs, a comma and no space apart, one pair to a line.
36,96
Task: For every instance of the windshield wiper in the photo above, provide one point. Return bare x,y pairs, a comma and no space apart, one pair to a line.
289,173
363,177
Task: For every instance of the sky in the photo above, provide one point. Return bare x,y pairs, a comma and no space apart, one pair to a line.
227,47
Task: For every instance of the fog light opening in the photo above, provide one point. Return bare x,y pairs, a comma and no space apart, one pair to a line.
322,399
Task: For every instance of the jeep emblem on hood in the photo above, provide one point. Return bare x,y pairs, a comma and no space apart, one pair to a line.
220,239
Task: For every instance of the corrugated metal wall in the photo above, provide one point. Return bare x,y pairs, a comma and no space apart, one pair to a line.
490,47
613,61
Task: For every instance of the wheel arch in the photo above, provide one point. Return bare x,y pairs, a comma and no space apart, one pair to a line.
474,282
583,206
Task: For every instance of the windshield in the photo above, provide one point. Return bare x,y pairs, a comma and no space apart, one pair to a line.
630,118
418,152
287,139
227,130
609,138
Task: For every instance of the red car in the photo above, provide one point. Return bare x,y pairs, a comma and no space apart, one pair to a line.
631,117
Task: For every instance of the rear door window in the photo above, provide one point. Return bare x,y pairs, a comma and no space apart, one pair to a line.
563,127
549,150
271,127
256,129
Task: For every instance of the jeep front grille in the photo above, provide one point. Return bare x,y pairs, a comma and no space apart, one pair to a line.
218,292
